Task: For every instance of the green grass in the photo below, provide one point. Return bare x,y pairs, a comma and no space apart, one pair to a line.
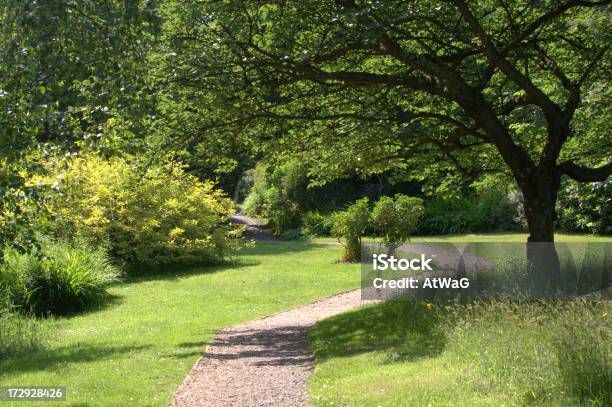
137,349
489,237
402,353
18,334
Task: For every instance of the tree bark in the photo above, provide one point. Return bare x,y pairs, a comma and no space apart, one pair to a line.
540,197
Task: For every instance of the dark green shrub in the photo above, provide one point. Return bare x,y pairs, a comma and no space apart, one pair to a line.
585,207
278,195
291,234
282,213
244,185
314,223
489,212
395,219
349,226
58,279
255,201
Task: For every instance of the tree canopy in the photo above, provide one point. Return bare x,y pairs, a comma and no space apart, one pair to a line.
429,88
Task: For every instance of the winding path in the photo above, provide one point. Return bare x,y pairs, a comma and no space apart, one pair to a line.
265,362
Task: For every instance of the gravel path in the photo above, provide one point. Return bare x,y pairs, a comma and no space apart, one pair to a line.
253,229
265,362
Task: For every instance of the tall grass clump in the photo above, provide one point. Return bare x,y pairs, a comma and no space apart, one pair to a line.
521,352
57,279
584,355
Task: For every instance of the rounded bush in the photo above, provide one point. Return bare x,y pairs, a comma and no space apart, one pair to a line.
162,217
395,219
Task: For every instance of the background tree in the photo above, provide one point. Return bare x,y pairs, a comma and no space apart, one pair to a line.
72,78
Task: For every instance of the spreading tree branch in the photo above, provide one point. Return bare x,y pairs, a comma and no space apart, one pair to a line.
584,174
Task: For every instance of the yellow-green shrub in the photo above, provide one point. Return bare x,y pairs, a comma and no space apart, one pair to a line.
165,216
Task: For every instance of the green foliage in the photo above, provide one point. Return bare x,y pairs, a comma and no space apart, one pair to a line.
292,234
161,217
584,358
278,195
395,219
314,223
490,212
281,212
244,185
70,69
585,207
471,97
21,211
57,279
349,226
73,77
255,201
18,335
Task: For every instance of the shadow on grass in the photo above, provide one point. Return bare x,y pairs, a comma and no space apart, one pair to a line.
281,247
49,359
106,301
408,330
176,272
242,259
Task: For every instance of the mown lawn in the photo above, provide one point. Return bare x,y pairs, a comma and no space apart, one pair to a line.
137,348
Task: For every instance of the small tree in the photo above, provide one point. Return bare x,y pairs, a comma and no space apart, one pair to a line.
349,225
396,219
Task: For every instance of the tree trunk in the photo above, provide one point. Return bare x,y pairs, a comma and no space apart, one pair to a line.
540,197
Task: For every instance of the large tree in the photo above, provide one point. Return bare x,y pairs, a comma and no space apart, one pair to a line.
477,83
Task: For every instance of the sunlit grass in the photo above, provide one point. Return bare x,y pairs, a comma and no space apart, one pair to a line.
137,349
402,353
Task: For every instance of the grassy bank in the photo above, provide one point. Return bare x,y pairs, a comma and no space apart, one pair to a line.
402,353
137,349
